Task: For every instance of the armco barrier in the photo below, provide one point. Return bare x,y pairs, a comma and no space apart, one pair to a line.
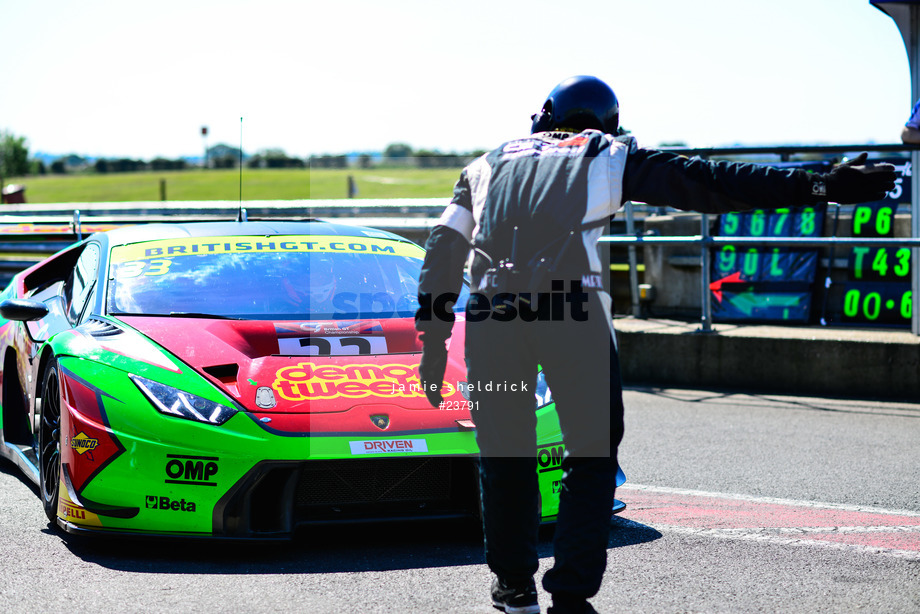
653,352
30,232
413,218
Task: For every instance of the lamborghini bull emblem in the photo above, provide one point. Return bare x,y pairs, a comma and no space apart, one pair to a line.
381,421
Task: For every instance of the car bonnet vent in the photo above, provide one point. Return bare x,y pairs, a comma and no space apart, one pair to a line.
97,327
225,374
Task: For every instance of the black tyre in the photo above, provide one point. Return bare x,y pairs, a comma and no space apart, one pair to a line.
49,441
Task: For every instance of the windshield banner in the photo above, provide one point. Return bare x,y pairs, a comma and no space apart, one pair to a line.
191,246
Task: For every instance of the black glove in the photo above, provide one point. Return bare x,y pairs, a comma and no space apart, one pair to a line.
855,182
431,371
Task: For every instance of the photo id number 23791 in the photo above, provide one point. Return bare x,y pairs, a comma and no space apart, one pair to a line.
459,405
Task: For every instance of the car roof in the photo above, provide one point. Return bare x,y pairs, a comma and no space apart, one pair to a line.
152,232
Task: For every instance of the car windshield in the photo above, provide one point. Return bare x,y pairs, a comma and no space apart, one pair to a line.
278,277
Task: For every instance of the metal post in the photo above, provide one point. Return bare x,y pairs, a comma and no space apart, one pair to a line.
706,324
633,264
906,15
204,138
915,252
913,55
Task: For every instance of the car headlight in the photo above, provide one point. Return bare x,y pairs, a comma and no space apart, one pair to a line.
174,402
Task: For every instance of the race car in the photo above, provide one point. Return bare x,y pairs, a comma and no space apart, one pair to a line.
237,379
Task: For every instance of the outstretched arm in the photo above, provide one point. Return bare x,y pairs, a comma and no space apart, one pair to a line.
663,178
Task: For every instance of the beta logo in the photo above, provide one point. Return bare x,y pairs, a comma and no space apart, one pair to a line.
191,470
165,503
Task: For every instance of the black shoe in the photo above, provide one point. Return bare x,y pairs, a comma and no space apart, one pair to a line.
521,599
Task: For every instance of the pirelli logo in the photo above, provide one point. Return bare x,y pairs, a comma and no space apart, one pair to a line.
70,511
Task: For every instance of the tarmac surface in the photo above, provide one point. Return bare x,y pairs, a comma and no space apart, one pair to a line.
736,502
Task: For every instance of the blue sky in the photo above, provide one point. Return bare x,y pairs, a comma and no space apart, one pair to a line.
118,78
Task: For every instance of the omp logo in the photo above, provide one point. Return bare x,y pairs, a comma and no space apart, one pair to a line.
549,458
165,503
194,470
307,381
82,443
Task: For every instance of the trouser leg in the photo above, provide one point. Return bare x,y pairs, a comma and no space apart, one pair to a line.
582,527
510,516
588,397
506,435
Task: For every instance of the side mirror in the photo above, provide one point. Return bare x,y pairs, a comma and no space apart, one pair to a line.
22,309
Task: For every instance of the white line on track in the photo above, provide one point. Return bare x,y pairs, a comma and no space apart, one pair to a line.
645,513
771,500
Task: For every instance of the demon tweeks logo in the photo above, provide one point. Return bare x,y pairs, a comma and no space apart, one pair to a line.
306,381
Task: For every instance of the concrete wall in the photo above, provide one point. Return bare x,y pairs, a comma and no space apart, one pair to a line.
872,364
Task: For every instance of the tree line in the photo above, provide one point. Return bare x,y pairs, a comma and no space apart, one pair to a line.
15,160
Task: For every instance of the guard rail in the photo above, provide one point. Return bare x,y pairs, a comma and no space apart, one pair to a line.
23,236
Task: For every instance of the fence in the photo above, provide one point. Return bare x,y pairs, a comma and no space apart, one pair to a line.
31,232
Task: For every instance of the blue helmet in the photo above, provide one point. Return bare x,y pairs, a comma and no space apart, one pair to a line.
579,103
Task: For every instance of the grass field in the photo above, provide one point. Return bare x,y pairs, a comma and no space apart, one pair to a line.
258,184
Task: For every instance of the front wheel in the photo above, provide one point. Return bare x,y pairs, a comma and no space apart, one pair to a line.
49,441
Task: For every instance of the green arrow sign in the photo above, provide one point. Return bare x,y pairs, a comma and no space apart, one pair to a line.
747,301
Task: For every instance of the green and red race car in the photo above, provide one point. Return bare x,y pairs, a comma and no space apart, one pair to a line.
237,379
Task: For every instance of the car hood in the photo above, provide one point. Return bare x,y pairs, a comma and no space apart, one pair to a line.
322,368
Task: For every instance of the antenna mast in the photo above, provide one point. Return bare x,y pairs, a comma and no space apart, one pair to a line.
241,216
